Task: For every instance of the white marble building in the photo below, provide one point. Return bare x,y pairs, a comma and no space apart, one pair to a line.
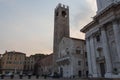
103,40
71,60
102,4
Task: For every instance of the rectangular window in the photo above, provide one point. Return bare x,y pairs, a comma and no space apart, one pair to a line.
67,52
79,62
78,51
10,62
98,38
20,58
85,54
86,63
8,58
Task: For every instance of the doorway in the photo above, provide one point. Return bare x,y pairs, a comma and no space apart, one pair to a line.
102,69
79,73
86,73
61,72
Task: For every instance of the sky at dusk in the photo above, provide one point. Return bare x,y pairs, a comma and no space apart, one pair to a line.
27,25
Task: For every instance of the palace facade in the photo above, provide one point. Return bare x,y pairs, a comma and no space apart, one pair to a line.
103,40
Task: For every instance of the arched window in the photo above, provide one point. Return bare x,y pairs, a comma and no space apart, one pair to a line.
64,14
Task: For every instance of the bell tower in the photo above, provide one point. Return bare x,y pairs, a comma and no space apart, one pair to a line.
61,27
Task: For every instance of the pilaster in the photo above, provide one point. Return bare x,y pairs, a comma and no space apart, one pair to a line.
89,57
93,57
116,30
106,52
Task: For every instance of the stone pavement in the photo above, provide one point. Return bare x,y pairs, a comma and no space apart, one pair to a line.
34,78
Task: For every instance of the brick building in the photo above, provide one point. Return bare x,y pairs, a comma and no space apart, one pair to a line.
12,62
46,65
29,64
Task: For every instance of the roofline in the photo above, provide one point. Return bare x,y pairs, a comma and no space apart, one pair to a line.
75,38
14,52
89,25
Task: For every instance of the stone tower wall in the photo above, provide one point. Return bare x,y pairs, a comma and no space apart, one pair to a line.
61,27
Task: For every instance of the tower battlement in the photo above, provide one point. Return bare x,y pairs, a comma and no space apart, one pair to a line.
62,6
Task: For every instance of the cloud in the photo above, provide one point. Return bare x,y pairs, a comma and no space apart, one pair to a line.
84,14
85,11
76,33
92,3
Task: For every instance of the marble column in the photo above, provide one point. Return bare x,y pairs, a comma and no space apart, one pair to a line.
93,57
89,57
106,52
116,29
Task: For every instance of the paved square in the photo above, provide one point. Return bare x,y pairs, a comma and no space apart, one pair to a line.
34,78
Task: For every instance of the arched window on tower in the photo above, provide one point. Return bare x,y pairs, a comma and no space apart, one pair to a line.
64,14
